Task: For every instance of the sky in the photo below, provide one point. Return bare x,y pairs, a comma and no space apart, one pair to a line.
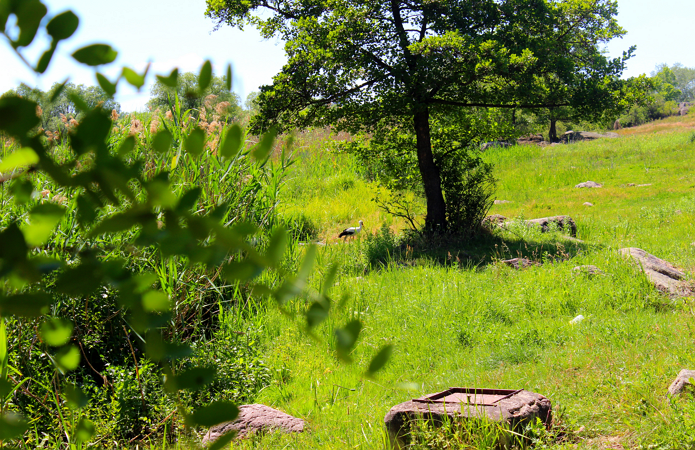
176,33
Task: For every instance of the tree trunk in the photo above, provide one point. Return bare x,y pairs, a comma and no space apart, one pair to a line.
436,208
552,135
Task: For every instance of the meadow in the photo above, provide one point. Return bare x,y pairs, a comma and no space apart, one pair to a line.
455,315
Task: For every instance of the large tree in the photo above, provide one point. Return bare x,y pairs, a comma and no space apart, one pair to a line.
359,64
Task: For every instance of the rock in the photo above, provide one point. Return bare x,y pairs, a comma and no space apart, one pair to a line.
631,185
684,107
588,270
495,219
643,185
536,139
662,274
519,408
495,144
562,222
588,204
520,263
682,383
501,202
589,184
255,418
616,125
574,136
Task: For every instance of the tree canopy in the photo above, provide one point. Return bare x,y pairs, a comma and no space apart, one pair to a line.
363,66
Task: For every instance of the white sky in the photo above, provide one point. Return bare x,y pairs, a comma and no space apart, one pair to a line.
175,33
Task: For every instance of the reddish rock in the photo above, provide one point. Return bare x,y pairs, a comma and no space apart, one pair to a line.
255,418
519,408
682,383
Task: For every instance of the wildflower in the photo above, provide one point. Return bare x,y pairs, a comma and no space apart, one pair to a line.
114,115
154,125
136,127
222,108
59,199
213,126
63,119
209,101
45,193
213,144
169,115
39,111
73,122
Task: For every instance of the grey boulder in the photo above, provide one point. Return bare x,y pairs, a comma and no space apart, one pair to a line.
254,419
663,275
589,184
561,222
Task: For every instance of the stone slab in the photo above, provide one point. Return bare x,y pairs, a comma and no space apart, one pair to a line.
663,275
514,410
682,383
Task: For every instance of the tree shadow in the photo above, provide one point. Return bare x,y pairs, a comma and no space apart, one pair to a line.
530,247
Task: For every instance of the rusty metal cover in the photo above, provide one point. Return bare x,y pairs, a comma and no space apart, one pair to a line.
472,396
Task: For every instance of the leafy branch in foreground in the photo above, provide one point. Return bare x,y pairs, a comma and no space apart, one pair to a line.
116,195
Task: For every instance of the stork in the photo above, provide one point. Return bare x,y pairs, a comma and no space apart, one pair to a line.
350,232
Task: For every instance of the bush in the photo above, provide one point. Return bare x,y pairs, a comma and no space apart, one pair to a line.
379,248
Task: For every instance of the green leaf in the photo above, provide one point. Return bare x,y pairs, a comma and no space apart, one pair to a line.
157,349
161,143
222,441
276,247
17,115
160,194
106,85
317,313
25,305
329,279
95,55
29,14
45,59
86,210
127,146
43,220
205,77
380,359
12,425
135,79
155,301
91,133
228,80
13,247
19,158
232,142
56,332
55,93
114,224
188,200
195,142
63,25
346,338
85,430
68,358
217,412
262,150
172,80
241,270
193,379
21,189
75,397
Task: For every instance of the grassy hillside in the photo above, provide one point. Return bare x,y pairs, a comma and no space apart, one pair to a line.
457,317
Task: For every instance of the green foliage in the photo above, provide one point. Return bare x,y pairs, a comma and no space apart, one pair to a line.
111,279
376,67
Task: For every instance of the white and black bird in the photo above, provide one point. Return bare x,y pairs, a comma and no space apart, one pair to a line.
350,232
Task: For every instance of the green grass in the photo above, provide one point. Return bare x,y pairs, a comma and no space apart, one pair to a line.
475,322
